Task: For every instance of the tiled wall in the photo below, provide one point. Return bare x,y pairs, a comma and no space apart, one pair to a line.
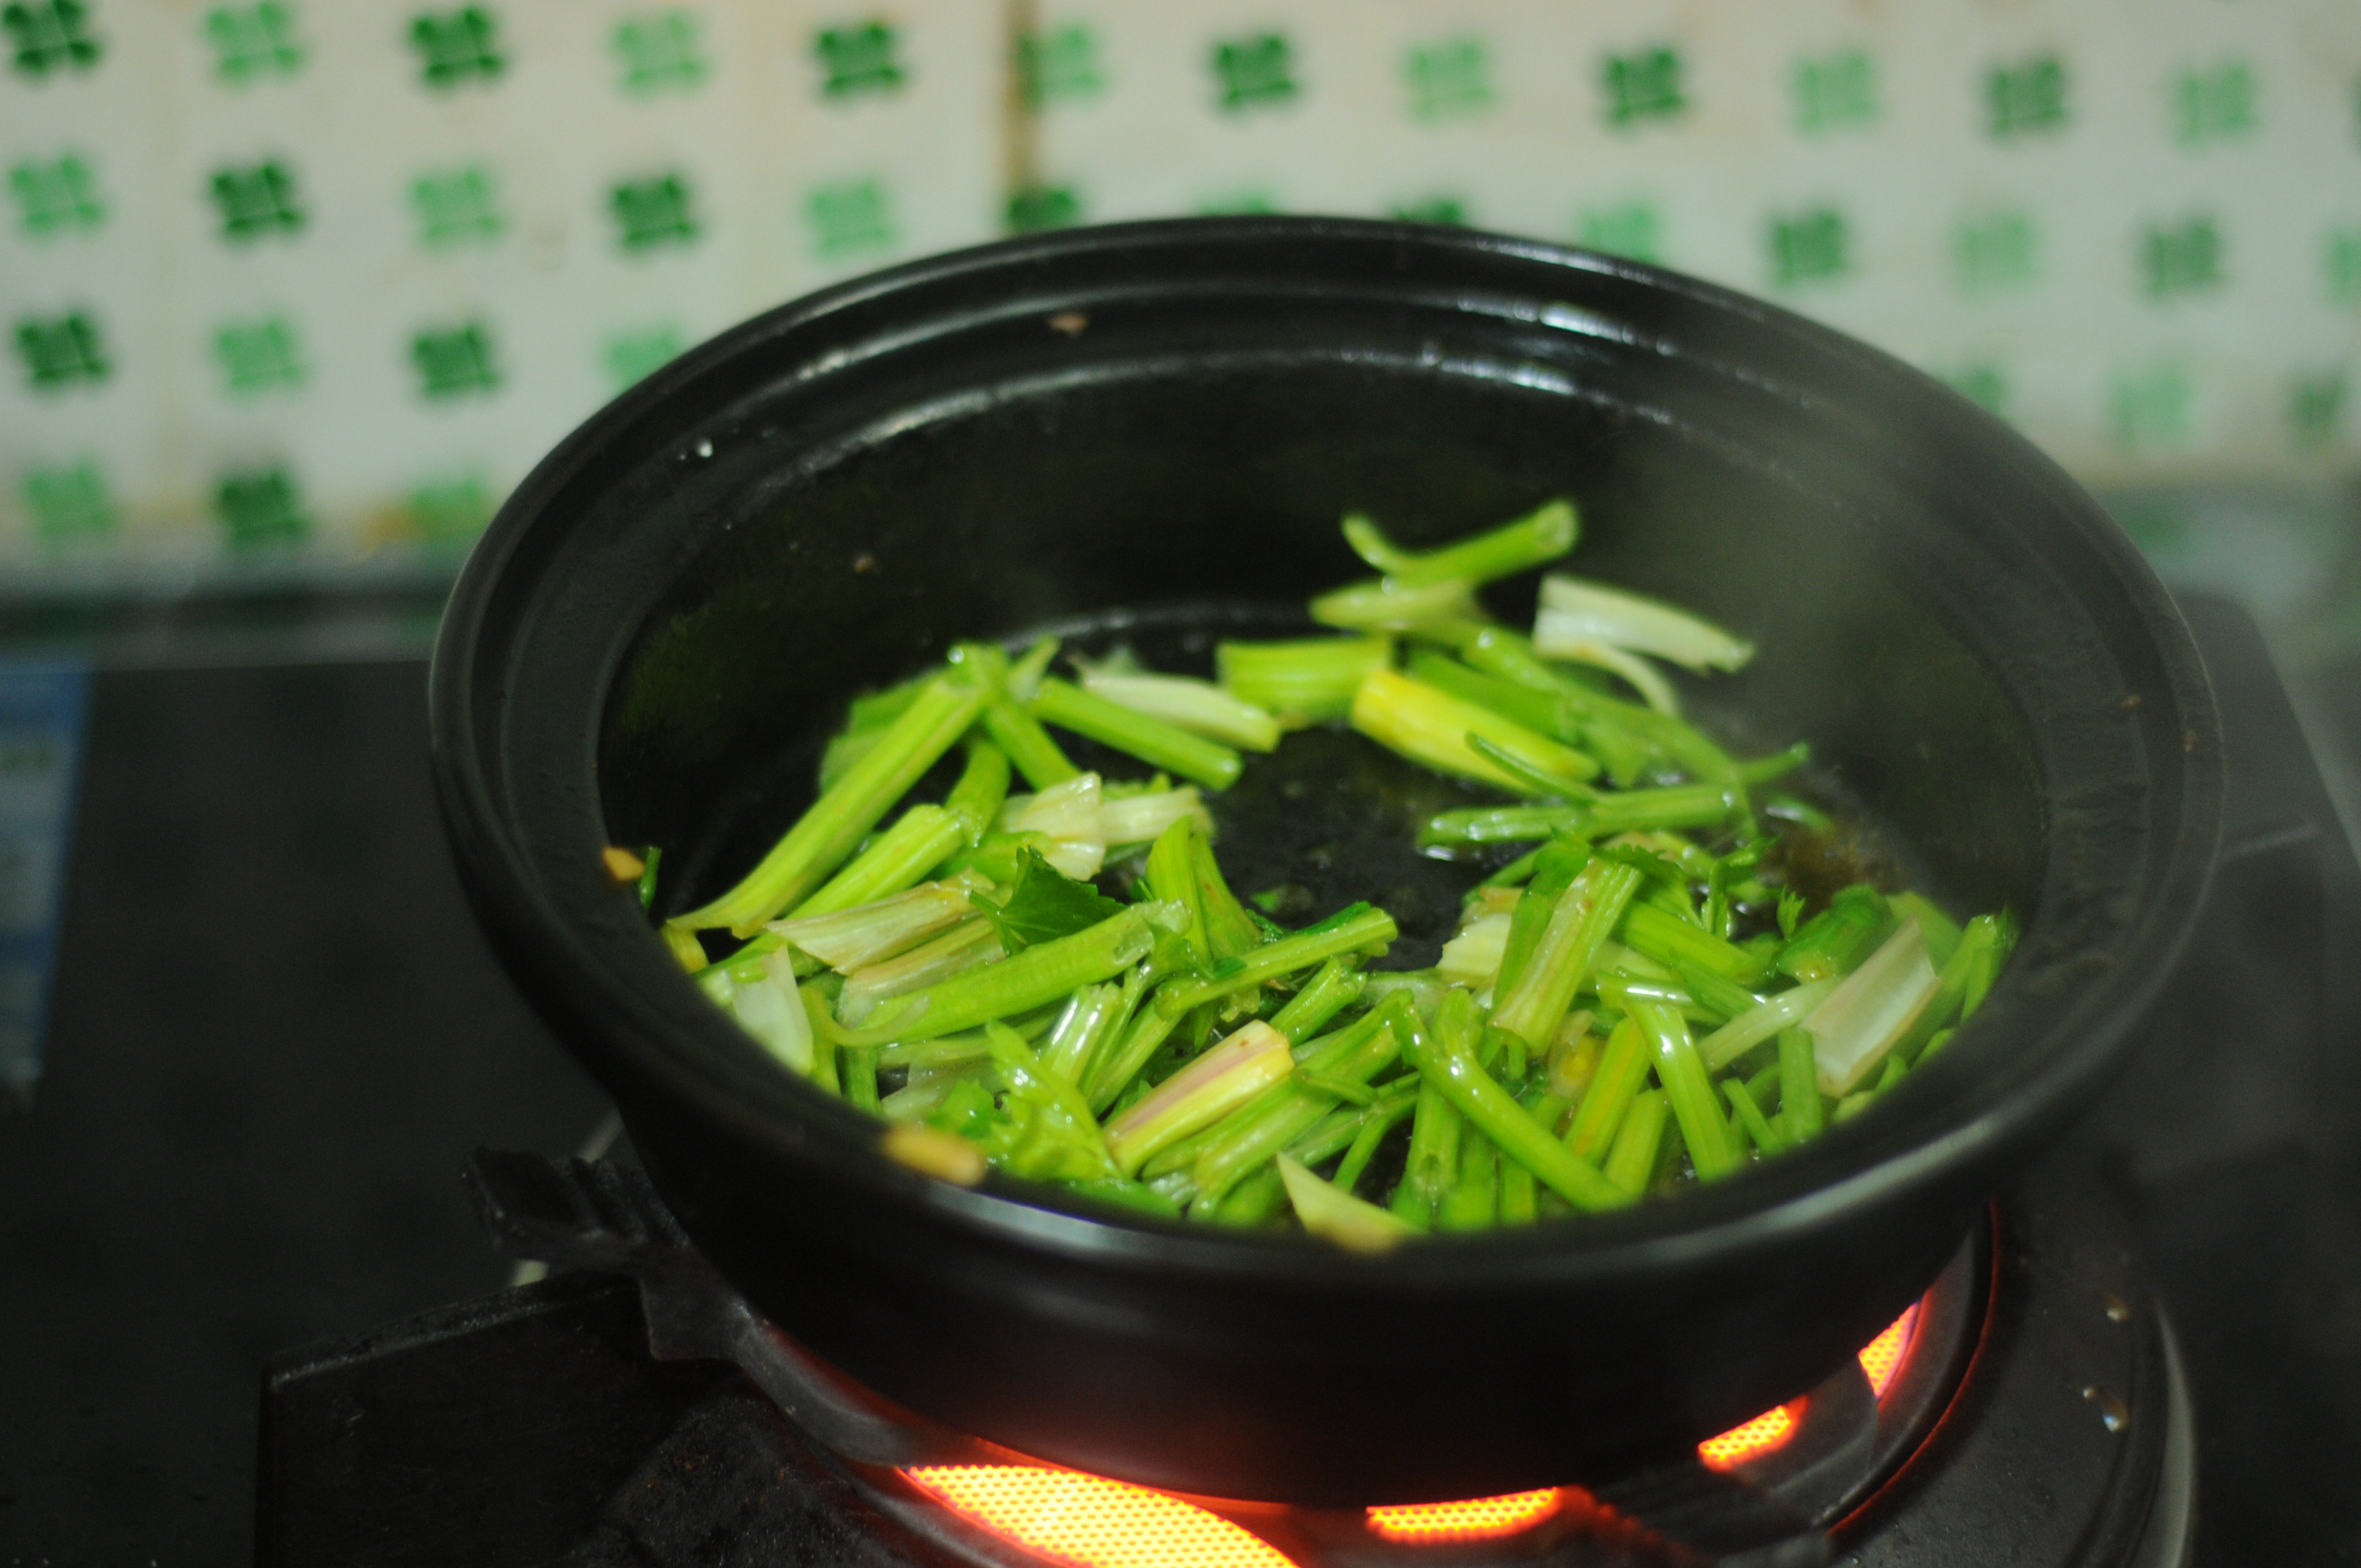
305,282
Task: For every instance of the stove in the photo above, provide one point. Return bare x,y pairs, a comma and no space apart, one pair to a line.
2147,1353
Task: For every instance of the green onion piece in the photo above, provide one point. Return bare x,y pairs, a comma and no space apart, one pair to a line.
1336,1215
1336,987
1199,706
1838,938
826,833
1041,973
1632,1161
1431,727
982,785
1536,539
1358,927
1306,680
1669,939
1445,1058
1150,739
922,839
1766,1138
1686,1084
1536,1005
1202,1093
1782,1009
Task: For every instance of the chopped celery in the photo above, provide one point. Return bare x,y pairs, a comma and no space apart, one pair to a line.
1151,740
1430,726
1301,681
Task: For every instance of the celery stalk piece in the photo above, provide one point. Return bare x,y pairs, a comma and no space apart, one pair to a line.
1695,1108
1258,1199
1574,610
1942,932
1358,927
1839,937
1473,1201
818,843
1782,1010
1446,1059
1536,539
1555,865
1041,973
1131,1051
1304,681
1199,706
982,784
1072,816
1632,1161
1383,604
1872,1009
1759,1130
1431,727
1669,939
857,1072
1538,711
1087,1013
1777,765
1140,818
1337,1216
1537,1002
772,1010
921,839
950,1052
1336,987
1151,740
685,951
1519,1195
1996,938
1394,1102
1799,1086
1624,811
1433,1159
1029,747
1225,1078
871,933
1472,958
1353,1055
1230,931
1171,875
969,945
1630,668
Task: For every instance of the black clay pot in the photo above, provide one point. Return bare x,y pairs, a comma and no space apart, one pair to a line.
1163,422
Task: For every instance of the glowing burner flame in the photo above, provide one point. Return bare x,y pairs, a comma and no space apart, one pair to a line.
1478,1519
1881,1357
1765,1433
1086,1521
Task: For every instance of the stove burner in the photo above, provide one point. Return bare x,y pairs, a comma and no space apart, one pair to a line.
1922,1445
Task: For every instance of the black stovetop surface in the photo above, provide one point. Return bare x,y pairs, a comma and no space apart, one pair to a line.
275,1034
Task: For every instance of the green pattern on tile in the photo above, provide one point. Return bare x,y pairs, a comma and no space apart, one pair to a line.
1982,382
56,197
2213,105
653,212
1835,92
456,205
1039,207
456,48
2180,258
659,51
2340,267
849,217
1994,250
63,351
1253,70
258,356
2315,407
259,508
1442,208
2026,96
49,35
860,61
1633,229
1059,66
1642,87
69,502
1810,246
633,354
256,201
454,361
252,43
2151,407
1450,79
450,509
